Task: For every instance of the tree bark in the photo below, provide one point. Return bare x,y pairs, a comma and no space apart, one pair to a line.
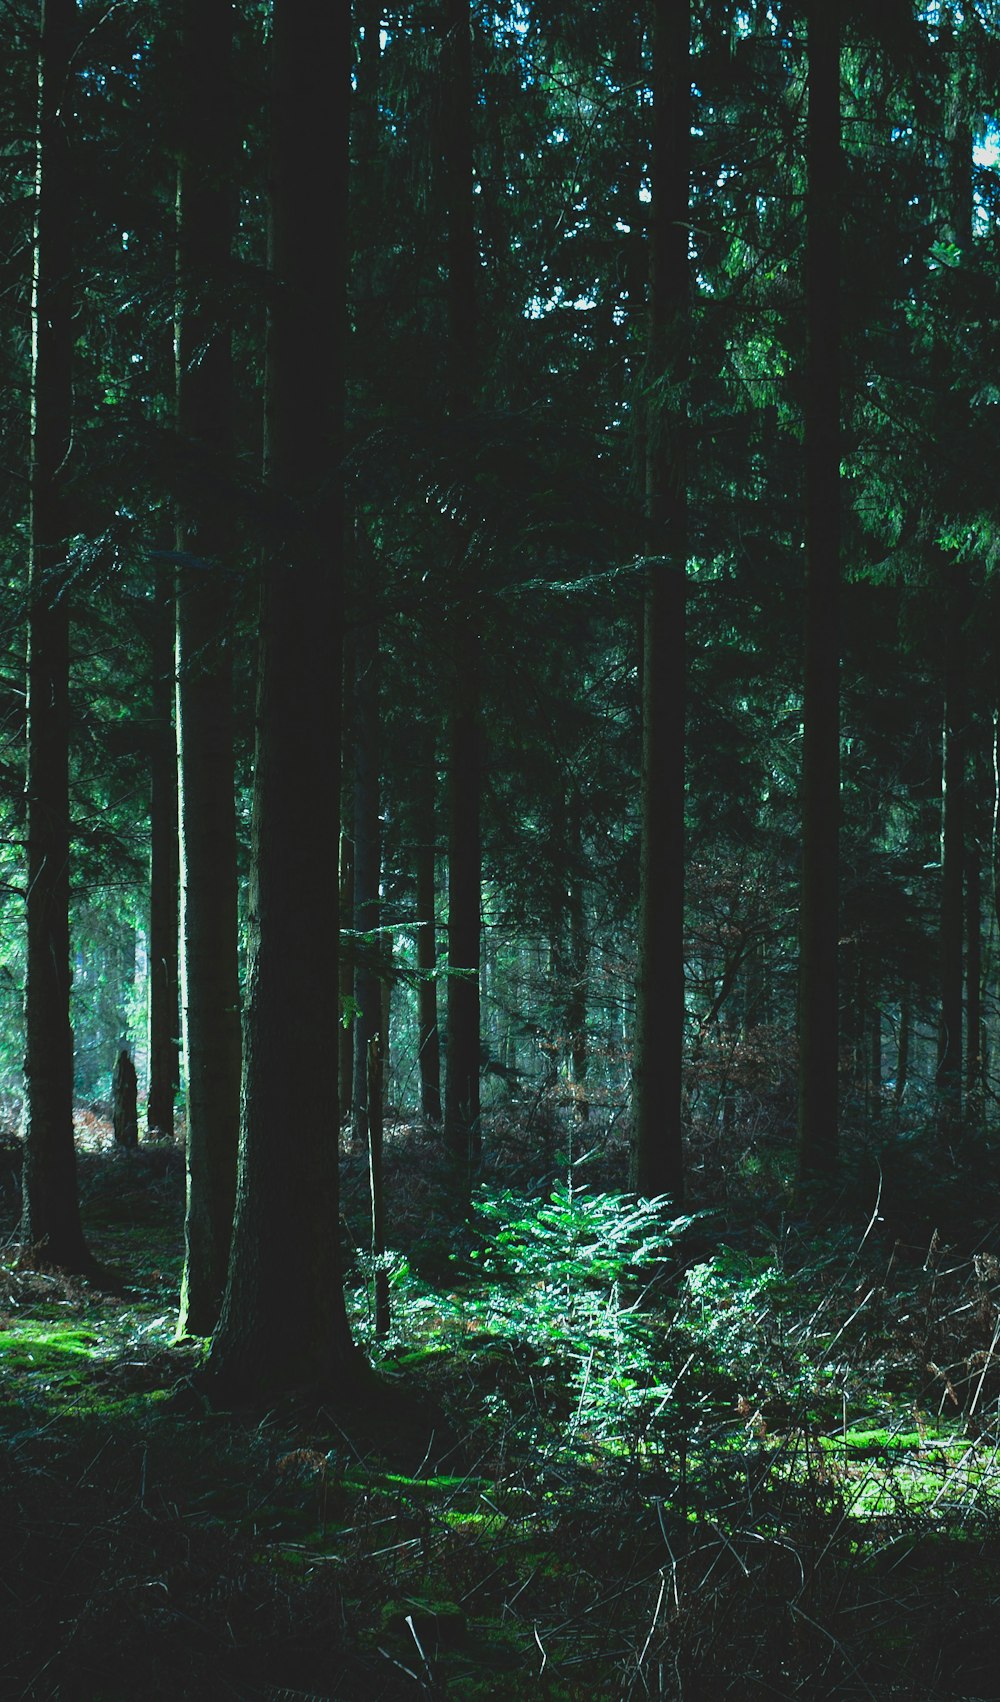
380,1276
948,1079
657,1136
462,1128
363,739
50,1219
974,976
345,1031
164,874
124,1102
429,1046
876,1060
818,1022
345,1046
284,1323
463,256
576,1004
956,803
209,886
903,1048
367,863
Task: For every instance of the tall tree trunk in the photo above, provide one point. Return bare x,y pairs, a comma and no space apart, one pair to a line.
429,1047
364,744
903,1048
657,1144
367,863
576,1009
955,800
818,1110
348,952
975,1047
209,922
284,1323
366,186
876,1060
462,1130
462,1108
380,1276
948,1079
385,1035
570,946
974,974
164,1009
635,274
345,1031
50,1220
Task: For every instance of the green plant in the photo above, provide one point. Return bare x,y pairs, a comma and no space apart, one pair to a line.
568,1283
735,1313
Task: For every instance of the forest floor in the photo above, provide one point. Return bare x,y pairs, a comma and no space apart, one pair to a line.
743,1456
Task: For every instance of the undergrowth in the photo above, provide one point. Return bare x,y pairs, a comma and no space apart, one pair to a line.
652,1457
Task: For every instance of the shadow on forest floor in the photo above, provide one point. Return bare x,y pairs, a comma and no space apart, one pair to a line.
771,1468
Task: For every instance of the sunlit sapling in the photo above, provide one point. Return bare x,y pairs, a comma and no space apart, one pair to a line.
572,1278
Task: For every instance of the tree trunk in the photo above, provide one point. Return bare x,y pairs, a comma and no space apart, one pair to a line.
876,1060
956,802
380,1275
948,1080
818,920
124,1102
164,1009
576,1004
50,1220
362,740
463,256
429,1048
345,1031
385,1033
974,978
462,1129
284,1322
903,1048
657,1144
209,921
367,864
366,186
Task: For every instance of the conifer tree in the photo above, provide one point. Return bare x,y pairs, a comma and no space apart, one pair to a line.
462,1129
164,1007
819,922
657,1151
206,198
284,1322
50,1222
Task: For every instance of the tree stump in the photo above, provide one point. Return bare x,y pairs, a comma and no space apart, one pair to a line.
124,1110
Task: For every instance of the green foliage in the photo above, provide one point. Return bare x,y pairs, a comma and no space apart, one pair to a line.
576,1247
557,1297
735,1311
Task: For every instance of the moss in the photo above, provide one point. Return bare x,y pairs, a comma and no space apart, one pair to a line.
426,1488
48,1354
473,1524
869,1444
